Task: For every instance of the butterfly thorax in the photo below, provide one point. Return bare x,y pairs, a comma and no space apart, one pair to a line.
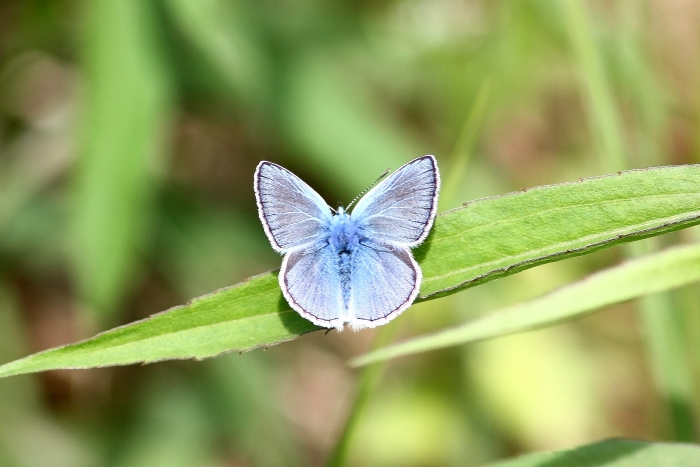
344,236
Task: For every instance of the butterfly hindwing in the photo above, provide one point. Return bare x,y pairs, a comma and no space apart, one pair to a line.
385,280
311,284
292,213
402,207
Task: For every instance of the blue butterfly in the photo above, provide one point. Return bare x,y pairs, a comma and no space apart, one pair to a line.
342,267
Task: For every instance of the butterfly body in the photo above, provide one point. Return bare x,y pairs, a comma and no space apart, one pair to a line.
343,267
343,239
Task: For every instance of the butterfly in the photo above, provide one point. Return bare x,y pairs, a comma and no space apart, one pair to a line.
349,267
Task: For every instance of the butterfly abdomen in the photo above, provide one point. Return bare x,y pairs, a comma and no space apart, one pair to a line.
345,270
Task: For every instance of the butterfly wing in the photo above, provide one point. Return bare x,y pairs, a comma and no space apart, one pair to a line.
385,280
401,208
291,212
311,283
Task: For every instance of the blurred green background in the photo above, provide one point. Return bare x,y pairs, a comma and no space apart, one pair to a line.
129,133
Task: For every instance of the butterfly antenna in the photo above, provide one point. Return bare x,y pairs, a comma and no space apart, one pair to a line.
381,177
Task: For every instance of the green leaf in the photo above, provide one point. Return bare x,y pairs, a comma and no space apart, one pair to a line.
484,240
646,275
499,236
245,316
128,98
613,453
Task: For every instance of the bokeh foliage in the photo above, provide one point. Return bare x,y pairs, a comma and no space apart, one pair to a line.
129,131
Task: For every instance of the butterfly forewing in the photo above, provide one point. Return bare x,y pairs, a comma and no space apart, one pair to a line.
385,280
402,207
292,213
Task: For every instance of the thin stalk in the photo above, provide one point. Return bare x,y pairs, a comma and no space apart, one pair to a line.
369,377
597,93
464,147
670,363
